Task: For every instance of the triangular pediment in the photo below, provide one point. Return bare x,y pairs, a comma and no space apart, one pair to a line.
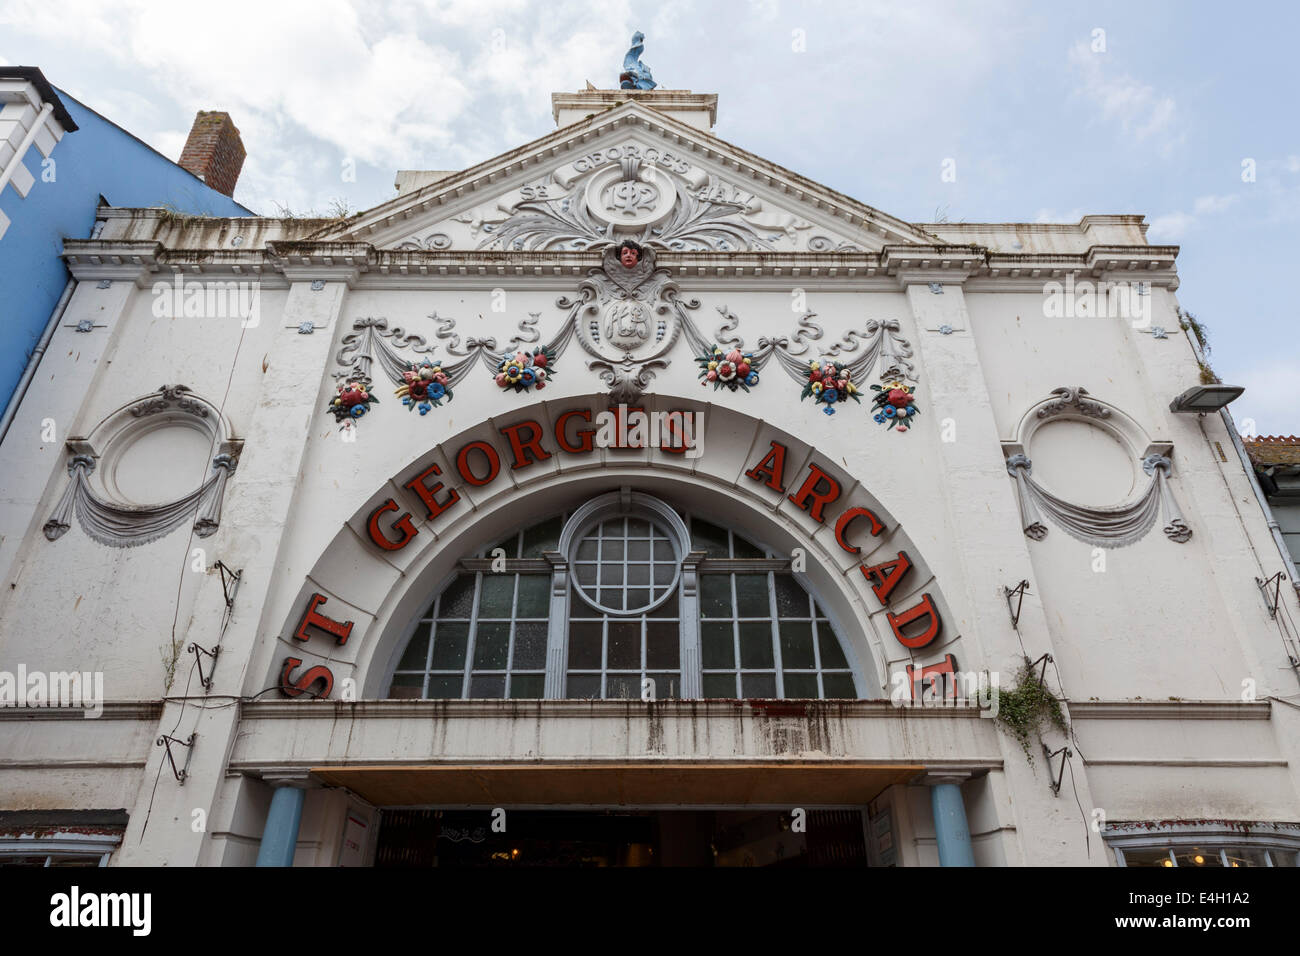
629,172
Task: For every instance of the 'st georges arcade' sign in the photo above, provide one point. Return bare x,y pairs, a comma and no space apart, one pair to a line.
391,526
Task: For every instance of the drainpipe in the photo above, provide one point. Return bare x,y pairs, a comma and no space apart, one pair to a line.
1287,564
29,372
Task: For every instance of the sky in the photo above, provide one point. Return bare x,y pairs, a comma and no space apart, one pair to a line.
1184,112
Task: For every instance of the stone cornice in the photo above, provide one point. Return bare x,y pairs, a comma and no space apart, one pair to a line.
895,266
1169,710
119,260
608,709
149,710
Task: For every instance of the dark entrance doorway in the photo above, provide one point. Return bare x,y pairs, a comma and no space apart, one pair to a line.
595,838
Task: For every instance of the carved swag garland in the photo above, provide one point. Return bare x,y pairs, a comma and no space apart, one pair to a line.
627,316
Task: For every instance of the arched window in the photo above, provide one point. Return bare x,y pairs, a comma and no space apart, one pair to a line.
624,598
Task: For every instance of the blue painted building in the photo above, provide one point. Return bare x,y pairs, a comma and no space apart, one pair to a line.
59,160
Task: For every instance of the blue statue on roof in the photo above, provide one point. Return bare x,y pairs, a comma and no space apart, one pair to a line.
636,75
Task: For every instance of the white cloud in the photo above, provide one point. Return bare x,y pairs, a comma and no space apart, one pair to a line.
1270,397
1170,227
1207,205
1139,110
1048,216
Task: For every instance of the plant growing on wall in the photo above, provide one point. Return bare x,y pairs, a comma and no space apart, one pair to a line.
1023,708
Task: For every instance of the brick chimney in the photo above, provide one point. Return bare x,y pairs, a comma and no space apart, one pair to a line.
214,152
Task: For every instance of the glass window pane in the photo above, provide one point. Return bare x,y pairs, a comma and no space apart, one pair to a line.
585,645
416,654
800,686
587,550
1147,856
667,609
663,550
458,600
524,686
612,528
624,645
832,655
663,644
751,595
534,595
745,549
757,685
611,551
586,574
709,538
637,598
530,645
582,686
491,646
542,537
1237,856
718,646
510,545
638,574
491,687
406,686
637,528
612,598
715,595
611,574
1209,856
791,598
797,645
719,685
756,645
664,573
623,687
449,643
667,685
497,596
638,550
1280,857
445,686
839,687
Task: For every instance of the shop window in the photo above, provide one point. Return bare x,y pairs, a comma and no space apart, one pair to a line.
1187,846
593,604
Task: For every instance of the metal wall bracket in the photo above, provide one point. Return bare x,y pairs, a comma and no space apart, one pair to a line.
1066,753
1044,660
1271,601
166,741
1018,592
229,583
197,651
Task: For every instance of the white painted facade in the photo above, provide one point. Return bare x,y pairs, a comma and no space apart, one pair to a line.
1176,680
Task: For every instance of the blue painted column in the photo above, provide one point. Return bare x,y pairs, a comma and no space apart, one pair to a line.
280,837
951,831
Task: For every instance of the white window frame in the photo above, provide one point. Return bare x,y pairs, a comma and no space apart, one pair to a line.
559,564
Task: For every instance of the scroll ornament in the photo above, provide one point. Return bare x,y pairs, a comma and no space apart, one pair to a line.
1113,527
